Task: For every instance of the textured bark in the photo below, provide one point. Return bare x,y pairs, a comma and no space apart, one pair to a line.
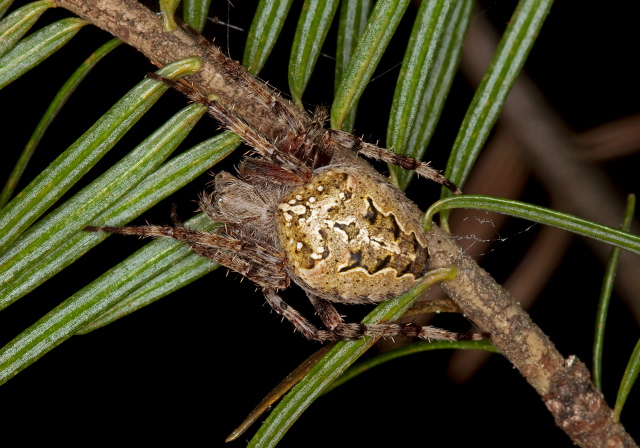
564,384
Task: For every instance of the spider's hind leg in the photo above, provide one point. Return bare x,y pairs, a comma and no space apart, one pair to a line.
353,143
300,323
341,330
338,330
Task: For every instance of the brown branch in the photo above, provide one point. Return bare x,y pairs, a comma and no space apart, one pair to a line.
562,162
564,385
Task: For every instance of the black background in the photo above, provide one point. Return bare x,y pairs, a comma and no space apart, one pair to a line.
190,367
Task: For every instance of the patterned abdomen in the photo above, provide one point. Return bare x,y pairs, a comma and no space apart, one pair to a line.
348,240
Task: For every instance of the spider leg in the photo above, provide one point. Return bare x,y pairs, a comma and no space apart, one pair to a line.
247,256
228,119
341,330
338,330
282,109
356,144
301,324
235,124
206,205
264,267
178,233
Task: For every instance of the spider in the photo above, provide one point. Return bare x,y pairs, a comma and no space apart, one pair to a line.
307,208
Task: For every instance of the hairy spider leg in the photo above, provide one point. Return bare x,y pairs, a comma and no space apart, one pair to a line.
295,122
353,143
222,114
341,330
337,330
249,257
300,323
237,125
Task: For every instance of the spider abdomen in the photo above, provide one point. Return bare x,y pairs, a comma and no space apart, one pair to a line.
347,238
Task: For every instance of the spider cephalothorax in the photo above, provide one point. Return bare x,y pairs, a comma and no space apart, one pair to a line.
307,208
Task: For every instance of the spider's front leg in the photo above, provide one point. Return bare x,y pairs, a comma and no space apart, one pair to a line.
353,143
258,262
236,124
178,233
